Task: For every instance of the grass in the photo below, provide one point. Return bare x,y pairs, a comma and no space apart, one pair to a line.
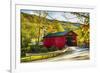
40,56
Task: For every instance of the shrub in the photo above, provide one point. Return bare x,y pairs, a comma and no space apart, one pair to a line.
38,49
53,48
23,52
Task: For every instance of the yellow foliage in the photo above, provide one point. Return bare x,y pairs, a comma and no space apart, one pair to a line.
51,29
60,27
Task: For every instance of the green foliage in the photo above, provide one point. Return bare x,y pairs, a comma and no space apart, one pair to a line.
53,48
38,49
41,49
23,52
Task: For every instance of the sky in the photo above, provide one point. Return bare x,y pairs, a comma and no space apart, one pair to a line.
58,15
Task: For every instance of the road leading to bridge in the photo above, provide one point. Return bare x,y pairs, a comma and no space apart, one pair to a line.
74,53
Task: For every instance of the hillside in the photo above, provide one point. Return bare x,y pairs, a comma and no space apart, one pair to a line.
34,28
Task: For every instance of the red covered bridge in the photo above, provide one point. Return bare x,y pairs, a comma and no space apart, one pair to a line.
60,39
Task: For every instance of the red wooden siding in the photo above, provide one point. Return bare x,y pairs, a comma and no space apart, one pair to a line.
58,42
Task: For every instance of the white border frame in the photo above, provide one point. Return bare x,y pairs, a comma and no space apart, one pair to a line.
16,66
